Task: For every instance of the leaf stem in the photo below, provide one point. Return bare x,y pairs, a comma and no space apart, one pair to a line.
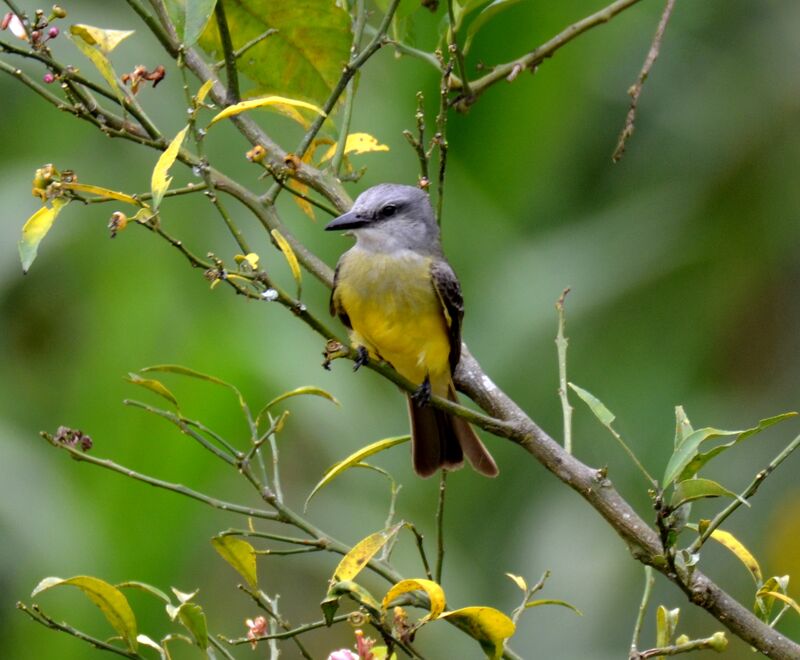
649,581
440,527
561,347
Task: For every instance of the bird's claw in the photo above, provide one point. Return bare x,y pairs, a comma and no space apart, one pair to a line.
362,358
422,395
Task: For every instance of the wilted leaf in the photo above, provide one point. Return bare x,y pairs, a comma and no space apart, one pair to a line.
35,229
105,40
300,391
354,458
783,598
488,626
263,102
360,554
311,44
358,143
154,386
189,18
484,17
742,553
666,624
109,599
240,555
686,461
519,581
597,407
159,183
432,589
553,601
695,489
291,258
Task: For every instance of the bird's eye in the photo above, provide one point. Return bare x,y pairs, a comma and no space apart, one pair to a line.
388,211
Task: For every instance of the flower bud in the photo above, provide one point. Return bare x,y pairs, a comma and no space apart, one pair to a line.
59,11
48,77
53,32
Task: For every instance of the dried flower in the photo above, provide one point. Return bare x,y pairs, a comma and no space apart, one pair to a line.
256,628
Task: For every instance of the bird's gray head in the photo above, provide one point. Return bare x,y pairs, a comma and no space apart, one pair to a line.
391,217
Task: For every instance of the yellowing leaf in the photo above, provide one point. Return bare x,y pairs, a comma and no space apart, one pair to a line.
240,555
305,206
519,581
354,458
737,548
358,143
488,626
361,553
105,193
105,40
109,599
784,598
205,88
35,229
154,386
159,183
432,589
264,102
101,63
666,623
291,258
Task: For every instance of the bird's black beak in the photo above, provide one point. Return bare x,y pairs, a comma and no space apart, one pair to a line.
347,221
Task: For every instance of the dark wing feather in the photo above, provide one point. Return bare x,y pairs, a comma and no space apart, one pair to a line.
333,307
448,289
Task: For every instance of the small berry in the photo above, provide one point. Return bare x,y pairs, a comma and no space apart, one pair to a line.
53,32
48,77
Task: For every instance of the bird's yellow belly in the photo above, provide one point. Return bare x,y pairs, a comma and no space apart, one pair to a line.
396,314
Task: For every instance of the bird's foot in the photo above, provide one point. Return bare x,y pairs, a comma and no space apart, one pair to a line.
362,358
422,396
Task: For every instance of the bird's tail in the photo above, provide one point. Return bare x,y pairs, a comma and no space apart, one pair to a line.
441,440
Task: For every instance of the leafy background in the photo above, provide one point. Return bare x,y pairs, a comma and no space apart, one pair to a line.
684,275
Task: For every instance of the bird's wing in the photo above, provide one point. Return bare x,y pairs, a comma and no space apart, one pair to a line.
333,305
448,289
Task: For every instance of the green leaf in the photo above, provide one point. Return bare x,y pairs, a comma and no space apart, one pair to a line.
193,618
433,590
666,624
35,229
488,626
686,461
360,554
108,598
553,601
348,588
303,60
143,586
190,18
240,555
306,389
597,407
191,373
263,102
484,17
159,183
154,386
106,40
695,489
683,427
354,458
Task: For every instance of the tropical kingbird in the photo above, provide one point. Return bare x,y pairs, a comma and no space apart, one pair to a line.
401,302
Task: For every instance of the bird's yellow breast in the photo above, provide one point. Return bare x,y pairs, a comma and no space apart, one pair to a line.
395,312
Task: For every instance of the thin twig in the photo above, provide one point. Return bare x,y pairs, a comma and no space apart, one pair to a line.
561,347
716,642
455,51
440,527
306,627
230,56
636,89
649,581
248,45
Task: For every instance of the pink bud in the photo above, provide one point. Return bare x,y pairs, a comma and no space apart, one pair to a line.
53,32
48,77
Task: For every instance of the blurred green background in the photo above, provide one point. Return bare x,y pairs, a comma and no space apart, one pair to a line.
684,272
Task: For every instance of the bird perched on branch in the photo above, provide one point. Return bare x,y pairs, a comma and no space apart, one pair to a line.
402,303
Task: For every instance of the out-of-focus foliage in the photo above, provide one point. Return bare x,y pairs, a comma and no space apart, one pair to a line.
682,263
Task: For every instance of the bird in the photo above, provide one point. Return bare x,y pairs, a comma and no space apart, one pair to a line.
402,304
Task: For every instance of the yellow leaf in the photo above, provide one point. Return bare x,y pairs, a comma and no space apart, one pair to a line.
102,64
666,623
205,88
159,183
358,143
155,386
354,458
305,206
35,229
251,259
519,581
361,553
489,627
240,555
291,258
108,598
105,40
743,554
783,597
263,102
105,193
434,591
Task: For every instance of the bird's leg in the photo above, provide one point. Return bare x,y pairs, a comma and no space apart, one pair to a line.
362,357
422,395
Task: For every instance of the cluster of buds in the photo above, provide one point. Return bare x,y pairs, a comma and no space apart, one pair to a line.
40,32
141,74
73,438
256,628
47,181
